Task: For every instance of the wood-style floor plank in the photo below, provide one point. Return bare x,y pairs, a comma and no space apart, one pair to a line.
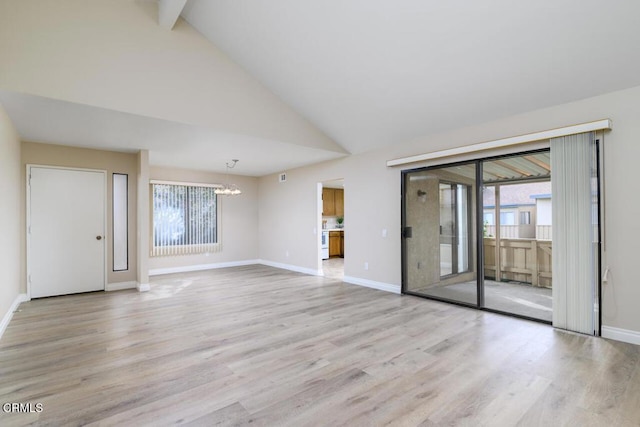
261,346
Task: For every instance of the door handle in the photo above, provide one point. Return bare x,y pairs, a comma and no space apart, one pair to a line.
98,237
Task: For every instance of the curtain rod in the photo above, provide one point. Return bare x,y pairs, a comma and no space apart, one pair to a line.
505,142
186,184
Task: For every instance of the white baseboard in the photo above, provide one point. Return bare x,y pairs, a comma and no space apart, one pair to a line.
121,285
200,267
624,335
9,314
290,267
143,287
388,287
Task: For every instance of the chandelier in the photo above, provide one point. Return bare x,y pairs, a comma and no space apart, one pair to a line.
229,189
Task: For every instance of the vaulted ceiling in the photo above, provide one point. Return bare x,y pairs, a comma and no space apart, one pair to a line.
342,76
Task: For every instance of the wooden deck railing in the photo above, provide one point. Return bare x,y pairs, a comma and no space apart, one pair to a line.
524,231
522,260
543,232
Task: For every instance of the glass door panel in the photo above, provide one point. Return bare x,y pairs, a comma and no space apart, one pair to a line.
439,233
443,221
517,236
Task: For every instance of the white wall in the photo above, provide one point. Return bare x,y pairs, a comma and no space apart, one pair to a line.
288,217
10,231
113,54
372,199
238,222
543,207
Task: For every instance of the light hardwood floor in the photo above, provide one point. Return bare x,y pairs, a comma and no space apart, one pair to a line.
261,346
333,268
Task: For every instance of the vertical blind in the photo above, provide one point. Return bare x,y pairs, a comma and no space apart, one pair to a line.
575,219
184,219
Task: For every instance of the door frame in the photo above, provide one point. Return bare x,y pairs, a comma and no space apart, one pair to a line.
28,263
479,162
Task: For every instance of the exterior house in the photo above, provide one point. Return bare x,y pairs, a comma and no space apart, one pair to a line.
519,210
543,215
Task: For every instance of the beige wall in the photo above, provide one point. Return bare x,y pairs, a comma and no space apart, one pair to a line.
112,162
289,216
143,219
10,231
238,220
113,54
372,199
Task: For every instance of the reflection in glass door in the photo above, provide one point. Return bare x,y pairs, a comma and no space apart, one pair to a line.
454,228
439,244
447,215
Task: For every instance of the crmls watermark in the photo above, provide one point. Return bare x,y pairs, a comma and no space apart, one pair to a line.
22,408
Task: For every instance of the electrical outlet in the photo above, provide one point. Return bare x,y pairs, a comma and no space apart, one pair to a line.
366,265
286,254
384,233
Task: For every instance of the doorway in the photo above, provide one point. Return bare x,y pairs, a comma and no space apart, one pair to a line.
66,213
334,229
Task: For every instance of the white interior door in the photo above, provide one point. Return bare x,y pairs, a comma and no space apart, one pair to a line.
66,231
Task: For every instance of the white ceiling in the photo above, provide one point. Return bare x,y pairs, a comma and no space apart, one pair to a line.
169,143
371,73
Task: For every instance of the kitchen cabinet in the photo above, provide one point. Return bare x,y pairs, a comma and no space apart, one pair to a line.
328,202
336,244
339,201
332,202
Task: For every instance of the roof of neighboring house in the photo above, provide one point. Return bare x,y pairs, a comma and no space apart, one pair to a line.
516,194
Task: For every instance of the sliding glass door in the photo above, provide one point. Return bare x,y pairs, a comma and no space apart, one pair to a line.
440,234
499,209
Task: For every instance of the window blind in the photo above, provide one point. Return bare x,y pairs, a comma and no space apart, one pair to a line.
575,232
185,219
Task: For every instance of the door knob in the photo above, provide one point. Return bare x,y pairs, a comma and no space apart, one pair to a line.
98,237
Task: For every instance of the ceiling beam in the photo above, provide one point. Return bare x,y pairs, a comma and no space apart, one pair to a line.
169,11
537,162
513,168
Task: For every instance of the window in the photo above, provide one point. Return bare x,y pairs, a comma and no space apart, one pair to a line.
184,219
488,219
525,217
507,218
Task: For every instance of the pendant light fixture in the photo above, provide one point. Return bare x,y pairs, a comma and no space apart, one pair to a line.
229,189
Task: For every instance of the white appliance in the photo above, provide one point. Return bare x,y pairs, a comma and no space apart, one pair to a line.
324,247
